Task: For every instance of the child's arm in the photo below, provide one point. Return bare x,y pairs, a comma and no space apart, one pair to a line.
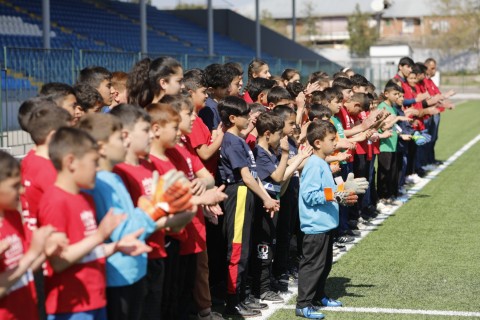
251,125
129,244
206,152
203,182
297,163
279,174
269,203
75,252
32,258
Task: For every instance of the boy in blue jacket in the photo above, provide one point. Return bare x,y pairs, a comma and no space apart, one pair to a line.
319,197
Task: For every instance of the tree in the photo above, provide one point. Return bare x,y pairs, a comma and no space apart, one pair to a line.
310,21
189,6
362,36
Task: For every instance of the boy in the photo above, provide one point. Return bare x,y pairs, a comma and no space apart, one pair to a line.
318,218
258,89
17,259
278,96
63,95
89,99
75,284
101,80
119,85
238,171
126,281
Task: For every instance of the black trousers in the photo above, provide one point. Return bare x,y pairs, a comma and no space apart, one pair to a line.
127,302
314,268
361,168
171,289
237,226
154,284
387,182
264,233
186,282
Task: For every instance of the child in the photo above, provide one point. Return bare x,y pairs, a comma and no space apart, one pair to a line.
256,108
63,95
238,171
17,260
319,112
75,284
126,276
218,82
258,89
119,85
290,75
278,96
318,218
100,79
149,80
89,99
236,85
258,69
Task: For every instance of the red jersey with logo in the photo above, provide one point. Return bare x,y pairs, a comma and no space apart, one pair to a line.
20,299
362,146
432,89
38,174
186,160
199,136
80,287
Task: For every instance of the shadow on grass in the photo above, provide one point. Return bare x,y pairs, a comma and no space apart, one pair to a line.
337,287
420,196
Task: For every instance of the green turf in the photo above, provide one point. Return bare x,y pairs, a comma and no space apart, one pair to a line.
427,255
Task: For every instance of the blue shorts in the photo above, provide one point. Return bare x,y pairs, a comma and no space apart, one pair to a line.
97,314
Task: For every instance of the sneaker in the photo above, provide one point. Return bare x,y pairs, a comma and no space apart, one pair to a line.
383,205
271,296
339,246
309,313
254,304
344,239
211,316
293,273
402,191
327,302
353,233
241,310
353,224
395,202
413,179
281,283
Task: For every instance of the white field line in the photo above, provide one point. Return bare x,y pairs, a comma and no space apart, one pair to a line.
400,311
381,217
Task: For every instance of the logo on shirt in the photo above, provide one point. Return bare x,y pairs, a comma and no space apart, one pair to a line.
88,219
14,252
191,175
252,159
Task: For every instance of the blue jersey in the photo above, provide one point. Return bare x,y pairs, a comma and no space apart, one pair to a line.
235,154
267,163
210,114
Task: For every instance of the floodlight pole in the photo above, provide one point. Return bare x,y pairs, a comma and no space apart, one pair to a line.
257,30
294,21
143,26
210,28
46,23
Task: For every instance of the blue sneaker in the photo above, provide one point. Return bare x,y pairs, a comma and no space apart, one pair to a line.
309,313
327,302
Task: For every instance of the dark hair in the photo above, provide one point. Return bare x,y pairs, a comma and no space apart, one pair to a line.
340,74
288,74
69,140
143,82
217,76
232,106
100,125
359,81
391,85
45,118
421,67
294,88
278,93
25,109
257,107
343,83
233,68
319,111
429,60
129,115
406,61
269,121
119,80
318,96
318,130
56,91
162,113
257,85
284,111
87,96
178,101
194,79
361,98
315,76
332,93
9,166
94,76
371,87
254,67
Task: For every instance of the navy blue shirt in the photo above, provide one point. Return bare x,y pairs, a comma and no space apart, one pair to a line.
267,163
235,154
406,129
210,114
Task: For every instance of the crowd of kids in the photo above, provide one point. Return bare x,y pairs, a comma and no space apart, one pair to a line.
157,193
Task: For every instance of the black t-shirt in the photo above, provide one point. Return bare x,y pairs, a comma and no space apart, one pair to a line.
235,155
267,163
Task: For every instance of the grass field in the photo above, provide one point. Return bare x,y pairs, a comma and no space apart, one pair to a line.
426,256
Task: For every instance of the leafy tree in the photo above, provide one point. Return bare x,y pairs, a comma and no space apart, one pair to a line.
310,21
362,36
189,6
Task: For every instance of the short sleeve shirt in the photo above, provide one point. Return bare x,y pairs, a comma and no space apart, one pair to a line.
267,163
210,114
235,154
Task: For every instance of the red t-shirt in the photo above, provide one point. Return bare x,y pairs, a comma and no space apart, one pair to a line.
38,174
81,287
186,160
138,180
20,300
246,97
432,89
362,146
251,141
347,123
199,136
